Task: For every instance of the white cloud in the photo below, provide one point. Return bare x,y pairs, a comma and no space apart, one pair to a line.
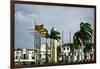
24,16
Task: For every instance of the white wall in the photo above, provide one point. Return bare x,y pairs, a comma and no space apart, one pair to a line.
5,35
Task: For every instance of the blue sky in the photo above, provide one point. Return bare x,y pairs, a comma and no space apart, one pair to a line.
62,18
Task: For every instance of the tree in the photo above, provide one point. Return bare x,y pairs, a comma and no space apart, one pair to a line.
83,36
55,35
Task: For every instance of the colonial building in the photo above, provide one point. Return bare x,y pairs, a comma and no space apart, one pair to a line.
24,56
29,56
78,55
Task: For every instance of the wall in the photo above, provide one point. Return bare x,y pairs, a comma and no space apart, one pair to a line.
5,35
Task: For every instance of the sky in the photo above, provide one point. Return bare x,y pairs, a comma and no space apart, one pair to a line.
66,19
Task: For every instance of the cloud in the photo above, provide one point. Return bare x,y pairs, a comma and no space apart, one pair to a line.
22,16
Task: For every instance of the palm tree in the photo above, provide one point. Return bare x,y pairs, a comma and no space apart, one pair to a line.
83,36
55,35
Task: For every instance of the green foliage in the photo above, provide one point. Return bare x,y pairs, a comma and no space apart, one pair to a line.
88,47
83,36
55,34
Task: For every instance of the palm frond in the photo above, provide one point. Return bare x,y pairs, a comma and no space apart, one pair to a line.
84,35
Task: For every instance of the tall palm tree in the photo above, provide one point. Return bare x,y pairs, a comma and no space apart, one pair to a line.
83,36
55,35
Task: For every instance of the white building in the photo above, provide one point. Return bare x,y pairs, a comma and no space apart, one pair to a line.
28,56
78,55
43,53
24,55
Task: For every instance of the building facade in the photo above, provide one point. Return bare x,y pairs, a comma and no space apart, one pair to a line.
24,56
77,55
29,56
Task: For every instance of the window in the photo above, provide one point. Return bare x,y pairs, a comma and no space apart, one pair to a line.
67,48
33,57
16,57
17,53
24,56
